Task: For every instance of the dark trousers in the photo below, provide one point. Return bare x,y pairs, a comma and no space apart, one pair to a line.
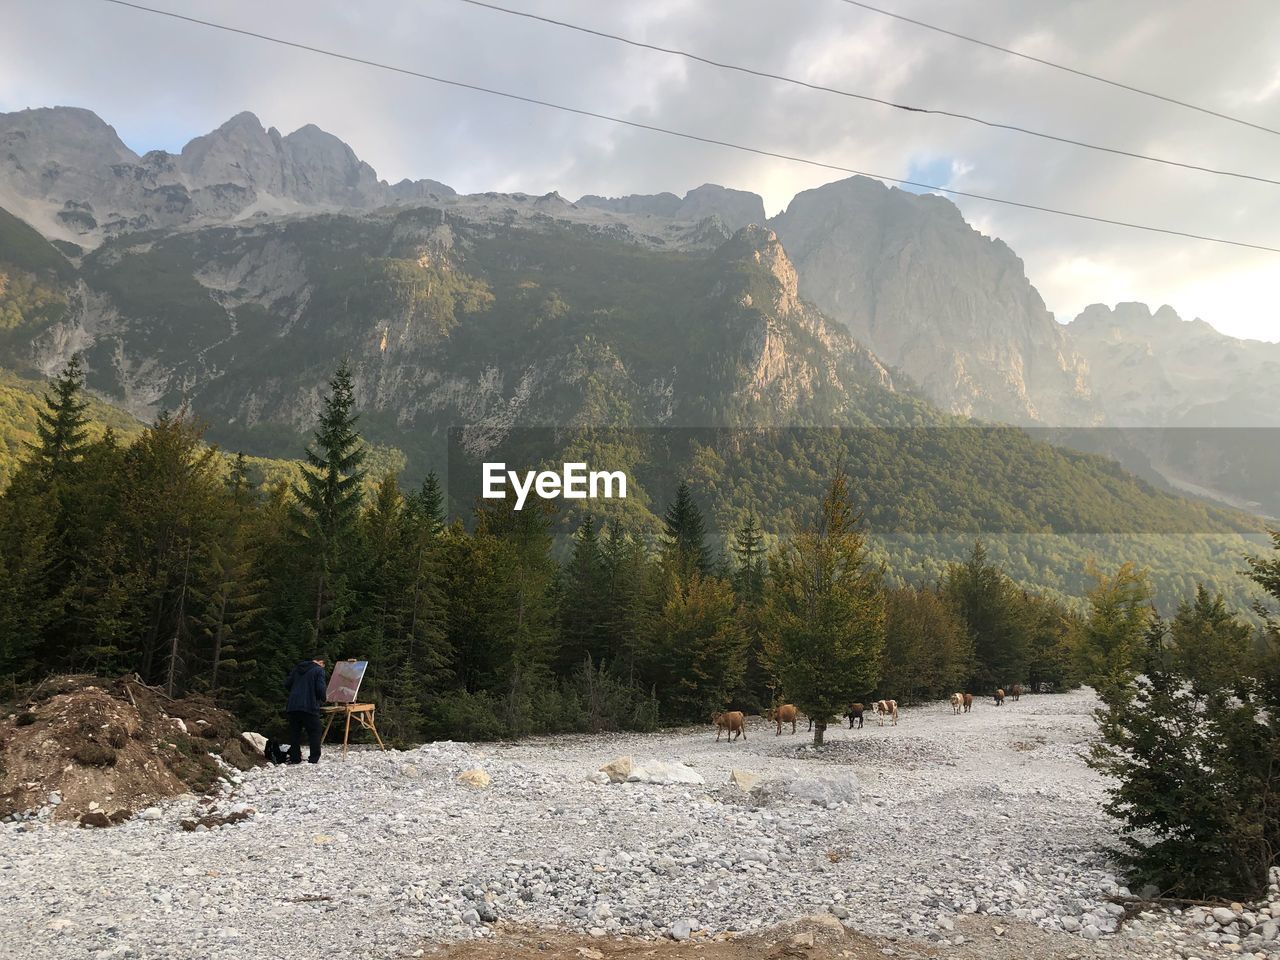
299,720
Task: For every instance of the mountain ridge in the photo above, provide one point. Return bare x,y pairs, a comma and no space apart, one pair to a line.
942,305
510,326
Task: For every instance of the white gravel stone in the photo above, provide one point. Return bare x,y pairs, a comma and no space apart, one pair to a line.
992,812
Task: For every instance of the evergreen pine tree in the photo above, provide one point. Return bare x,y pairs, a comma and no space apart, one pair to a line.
1210,645
694,646
685,535
752,566
229,592
584,602
749,576
626,569
826,612
928,654
168,518
428,504
1192,778
517,610
326,513
26,603
62,427
49,533
996,617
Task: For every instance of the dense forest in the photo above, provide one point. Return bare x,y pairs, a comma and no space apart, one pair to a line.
158,555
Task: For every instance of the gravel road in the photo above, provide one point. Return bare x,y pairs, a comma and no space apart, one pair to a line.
991,813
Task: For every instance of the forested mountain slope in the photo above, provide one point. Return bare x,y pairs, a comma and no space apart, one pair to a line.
501,329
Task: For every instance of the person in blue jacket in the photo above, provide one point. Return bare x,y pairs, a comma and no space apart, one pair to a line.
306,684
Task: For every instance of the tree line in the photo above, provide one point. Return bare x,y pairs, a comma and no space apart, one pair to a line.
161,557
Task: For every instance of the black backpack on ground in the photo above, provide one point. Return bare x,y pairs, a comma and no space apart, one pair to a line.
276,752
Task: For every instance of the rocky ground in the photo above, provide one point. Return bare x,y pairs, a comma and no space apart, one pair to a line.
972,835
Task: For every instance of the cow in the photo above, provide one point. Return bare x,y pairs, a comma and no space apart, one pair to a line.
786,713
887,708
1000,698
968,702
855,712
733,723
957,703
1016,692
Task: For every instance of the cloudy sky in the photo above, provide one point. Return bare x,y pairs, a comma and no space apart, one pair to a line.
161,82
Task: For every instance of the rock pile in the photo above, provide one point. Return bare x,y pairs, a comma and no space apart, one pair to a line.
1253,929
96,751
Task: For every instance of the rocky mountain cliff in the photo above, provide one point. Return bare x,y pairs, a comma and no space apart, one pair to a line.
66,171
1154,369
930,295
448,320
734,208
1189,405
500,312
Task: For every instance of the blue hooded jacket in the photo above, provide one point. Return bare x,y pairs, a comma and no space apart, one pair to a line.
306,685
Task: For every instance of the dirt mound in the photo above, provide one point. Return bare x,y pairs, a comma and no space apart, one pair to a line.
99,750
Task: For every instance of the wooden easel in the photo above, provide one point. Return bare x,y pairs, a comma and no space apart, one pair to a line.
344,687
363,713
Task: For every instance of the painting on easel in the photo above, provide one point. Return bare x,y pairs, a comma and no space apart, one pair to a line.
344,684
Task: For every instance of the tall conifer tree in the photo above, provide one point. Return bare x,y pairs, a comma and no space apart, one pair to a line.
685,535
62,428
326,513
826,611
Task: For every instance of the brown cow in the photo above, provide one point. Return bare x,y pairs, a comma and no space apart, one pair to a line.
887,708
1016,692
786,713
733,722
968,702
1000,698
855,712
957,703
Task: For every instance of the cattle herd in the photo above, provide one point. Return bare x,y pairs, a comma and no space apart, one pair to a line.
733,723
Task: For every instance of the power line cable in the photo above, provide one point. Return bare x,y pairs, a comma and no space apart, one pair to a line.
679,133
862,96
1060,66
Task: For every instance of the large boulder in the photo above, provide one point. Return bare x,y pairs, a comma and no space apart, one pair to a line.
477,779
665,773
619,769
824,791
744,780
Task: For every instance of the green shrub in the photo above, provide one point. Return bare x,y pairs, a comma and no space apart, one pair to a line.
460,715
610,702
1196,770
